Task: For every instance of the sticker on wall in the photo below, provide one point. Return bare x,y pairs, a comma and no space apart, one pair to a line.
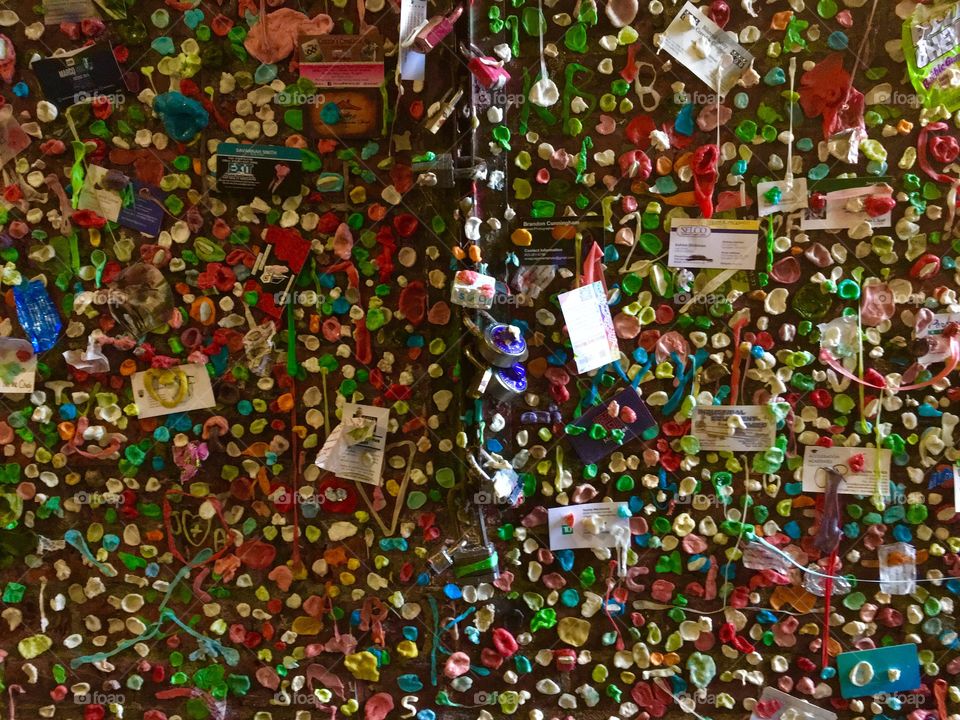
891,669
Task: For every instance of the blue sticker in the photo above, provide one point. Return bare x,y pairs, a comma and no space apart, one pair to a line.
877,677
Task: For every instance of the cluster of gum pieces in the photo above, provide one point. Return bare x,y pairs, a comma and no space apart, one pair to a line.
198,564
690,629
122,598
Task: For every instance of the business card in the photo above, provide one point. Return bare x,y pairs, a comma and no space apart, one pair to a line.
706,49
263,170
144,215
817,459
568,531
725,244
625,417
889,669
18,365
342,61
552,240
734,428
179,389
590,327
79,75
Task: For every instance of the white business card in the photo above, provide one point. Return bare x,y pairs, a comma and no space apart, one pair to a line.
701,243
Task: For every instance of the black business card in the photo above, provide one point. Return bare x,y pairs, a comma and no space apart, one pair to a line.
79,76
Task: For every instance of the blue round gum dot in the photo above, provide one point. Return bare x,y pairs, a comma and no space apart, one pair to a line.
193,17
21,90
828,673
330,113
409,683
163,45
265,74
838,40
775,76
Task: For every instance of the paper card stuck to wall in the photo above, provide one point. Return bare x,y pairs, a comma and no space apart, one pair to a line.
898,568
343,61
700,243
734,428
68,11
568,530
93,196
863,482
939,348
624,417
165,388
258,169
705,49
355,449
793,196
592,335
551,239
18,365
412,64
890,669
956,489
79,75
843,209
777,705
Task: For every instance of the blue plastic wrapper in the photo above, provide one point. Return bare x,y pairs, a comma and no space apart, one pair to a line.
37,314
